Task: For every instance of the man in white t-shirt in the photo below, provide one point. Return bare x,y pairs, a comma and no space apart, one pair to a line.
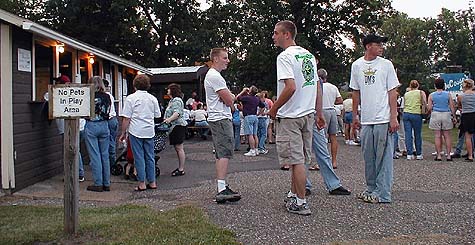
220,100
294,111
331,97
192,101
374,83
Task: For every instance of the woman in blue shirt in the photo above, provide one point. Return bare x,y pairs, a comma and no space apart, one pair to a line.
442,117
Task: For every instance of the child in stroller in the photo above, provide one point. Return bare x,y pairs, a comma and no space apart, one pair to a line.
126,155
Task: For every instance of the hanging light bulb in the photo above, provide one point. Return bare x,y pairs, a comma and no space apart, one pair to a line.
91,59
60,49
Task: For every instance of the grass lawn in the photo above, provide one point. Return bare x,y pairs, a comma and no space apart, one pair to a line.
127,224
428,135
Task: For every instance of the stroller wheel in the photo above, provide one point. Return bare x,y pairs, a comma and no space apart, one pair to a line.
157,172
116,169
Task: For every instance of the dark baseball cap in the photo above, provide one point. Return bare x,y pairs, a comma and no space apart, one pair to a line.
372,38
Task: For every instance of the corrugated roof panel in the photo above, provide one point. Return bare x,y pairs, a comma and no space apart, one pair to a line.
174,70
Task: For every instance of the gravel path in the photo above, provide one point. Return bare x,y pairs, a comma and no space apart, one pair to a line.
433,202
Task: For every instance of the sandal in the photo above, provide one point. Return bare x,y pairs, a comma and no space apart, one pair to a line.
140,189
150,187
285,168
439,159
177,172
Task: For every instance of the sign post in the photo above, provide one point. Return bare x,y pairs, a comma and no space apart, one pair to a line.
70,102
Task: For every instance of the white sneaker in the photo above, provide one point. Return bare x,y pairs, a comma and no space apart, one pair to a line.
251,153
410,157
419,157
353,143
441,153
263,152
347,142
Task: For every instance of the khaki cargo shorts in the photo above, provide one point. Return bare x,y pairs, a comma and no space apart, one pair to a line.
294,139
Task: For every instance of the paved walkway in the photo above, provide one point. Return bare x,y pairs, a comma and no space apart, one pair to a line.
434,202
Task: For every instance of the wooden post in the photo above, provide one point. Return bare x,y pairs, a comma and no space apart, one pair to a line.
71,176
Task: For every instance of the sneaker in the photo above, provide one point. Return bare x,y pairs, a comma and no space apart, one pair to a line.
256,152
362,195
95,188
353,143
371,199
340,191
395,156
308,192
399,154
251,153
263,151
347,142
227,195
81,179
419,157
455,155
106,188
289,200
299,209
410,157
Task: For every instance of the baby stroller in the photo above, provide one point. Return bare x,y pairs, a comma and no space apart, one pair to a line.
127,156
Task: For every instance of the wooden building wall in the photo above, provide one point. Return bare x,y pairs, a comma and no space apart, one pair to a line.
36,141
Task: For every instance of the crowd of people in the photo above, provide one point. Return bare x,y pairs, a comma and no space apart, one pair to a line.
304,118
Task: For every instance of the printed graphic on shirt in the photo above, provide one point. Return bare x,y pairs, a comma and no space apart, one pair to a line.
308,70
369,76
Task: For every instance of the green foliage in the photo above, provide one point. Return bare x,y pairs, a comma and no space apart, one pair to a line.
166,33
121,224
409,47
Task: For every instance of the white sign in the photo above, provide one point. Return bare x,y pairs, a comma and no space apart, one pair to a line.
71,101
24,60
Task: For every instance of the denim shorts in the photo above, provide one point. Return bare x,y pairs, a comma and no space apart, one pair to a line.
348,117
250,124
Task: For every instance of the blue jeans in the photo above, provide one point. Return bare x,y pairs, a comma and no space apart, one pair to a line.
377,147
82,135
237,135
320,148
396,140
461,142
413,122
262,132
113,125
205,131
97,142
144,160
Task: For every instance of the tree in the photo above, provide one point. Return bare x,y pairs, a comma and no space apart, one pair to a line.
112,25
174,24
453,40
28,9
409,47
